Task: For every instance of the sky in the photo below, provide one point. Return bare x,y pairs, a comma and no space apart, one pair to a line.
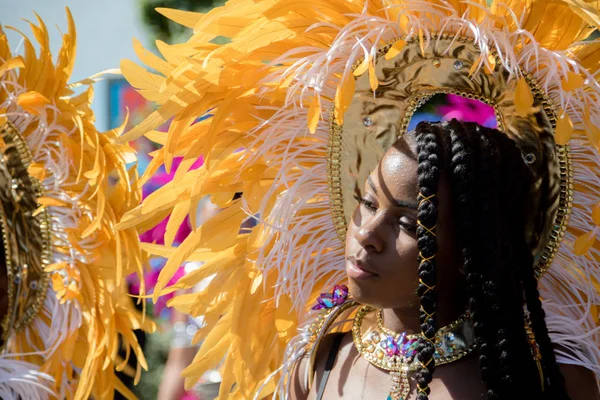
105,29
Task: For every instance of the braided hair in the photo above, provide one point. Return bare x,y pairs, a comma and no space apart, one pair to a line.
463,185
523,260
490,207
428,153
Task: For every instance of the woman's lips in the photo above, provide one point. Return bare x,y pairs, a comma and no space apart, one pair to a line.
357,269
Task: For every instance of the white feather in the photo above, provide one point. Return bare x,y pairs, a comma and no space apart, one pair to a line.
21,380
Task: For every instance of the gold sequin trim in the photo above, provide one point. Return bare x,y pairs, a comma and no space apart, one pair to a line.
561,219
25,231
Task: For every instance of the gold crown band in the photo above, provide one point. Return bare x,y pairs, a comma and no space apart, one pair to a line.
545,244
25,235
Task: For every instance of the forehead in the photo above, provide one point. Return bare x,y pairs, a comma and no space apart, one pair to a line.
396,174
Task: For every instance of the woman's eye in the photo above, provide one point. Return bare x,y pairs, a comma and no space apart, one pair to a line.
369,205
408,224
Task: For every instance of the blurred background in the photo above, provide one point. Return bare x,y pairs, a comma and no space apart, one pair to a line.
105,29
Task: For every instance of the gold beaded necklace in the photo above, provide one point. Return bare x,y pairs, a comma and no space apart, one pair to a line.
397,352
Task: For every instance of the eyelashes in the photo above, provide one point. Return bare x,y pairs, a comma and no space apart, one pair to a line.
409,226
369,205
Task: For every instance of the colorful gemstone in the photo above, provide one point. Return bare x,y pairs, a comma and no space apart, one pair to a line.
406,347
401,339
325,300
330,300
440,352
375,337
391,346
340,293
410,348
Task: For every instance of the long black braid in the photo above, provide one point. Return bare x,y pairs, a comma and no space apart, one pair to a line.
428,153
505,313
554,385
554,380
462,177
491,213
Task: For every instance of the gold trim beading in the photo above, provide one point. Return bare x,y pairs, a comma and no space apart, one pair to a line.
451,343
25,234
464,346
559,225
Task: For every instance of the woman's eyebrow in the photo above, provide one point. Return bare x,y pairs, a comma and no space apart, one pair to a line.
398,203
406,204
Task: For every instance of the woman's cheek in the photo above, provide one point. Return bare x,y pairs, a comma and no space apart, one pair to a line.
406,264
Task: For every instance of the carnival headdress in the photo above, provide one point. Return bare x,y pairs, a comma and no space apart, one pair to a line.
63,187
313,93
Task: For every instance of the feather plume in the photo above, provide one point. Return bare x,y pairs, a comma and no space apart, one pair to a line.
285,59
69,350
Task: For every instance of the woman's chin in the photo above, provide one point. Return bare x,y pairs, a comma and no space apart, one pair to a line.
378,297
364,294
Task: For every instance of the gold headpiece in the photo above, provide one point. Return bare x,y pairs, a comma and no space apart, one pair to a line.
407,74
297,86
63,186
25,235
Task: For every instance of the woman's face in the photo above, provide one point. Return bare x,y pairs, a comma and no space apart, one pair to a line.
381,246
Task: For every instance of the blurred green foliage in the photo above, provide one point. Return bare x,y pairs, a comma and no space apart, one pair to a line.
162,28
156,352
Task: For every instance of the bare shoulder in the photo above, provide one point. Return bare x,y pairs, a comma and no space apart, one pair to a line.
580,382
299,388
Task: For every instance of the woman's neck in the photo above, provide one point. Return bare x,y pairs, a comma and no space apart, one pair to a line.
407,319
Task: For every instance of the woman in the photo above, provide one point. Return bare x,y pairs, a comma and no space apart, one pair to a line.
447,208
306,97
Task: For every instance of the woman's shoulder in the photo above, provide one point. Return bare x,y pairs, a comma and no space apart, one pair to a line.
327,328
300,386
581,383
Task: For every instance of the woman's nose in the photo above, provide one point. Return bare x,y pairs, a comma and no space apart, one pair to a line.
368,235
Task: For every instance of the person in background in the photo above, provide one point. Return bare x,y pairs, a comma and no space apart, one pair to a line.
182,350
